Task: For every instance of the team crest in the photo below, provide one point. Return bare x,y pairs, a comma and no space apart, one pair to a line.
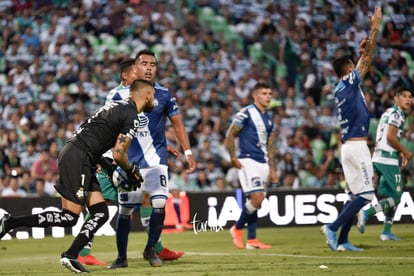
143,120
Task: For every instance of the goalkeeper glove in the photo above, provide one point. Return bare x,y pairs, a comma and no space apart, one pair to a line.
134,177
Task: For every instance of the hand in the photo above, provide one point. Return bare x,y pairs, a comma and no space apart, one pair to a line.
236,162
173,151
134,177
191,164
376,18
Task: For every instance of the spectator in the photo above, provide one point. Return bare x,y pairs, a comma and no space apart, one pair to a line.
13,189
44,164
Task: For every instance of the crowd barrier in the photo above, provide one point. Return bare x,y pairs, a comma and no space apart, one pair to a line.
215,211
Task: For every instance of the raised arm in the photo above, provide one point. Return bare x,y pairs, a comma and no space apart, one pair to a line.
368,45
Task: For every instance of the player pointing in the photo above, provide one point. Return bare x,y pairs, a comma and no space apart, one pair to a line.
355,154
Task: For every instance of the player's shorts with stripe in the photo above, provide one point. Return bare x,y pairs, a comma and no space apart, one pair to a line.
155,184
357,167
389,180
253,175
76,174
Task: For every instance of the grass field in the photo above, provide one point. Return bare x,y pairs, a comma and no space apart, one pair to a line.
296,251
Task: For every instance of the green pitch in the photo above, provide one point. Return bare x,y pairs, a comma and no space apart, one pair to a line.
296,251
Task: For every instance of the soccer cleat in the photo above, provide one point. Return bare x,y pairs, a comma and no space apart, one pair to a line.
362,220
237,235
72,264
118,263
330,237
386,236
90,260
170,255
152,257
348,247
256,244
3,222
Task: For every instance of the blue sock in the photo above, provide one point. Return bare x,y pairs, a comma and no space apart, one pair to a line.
244,216
177,209
252,226
343,234
123,227
348,212
155,226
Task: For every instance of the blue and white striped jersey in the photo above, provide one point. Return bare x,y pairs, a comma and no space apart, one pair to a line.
353,114
150,147
256,127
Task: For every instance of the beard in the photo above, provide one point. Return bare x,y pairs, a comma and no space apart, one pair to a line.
148,107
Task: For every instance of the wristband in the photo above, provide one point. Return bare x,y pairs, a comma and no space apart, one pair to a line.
188,152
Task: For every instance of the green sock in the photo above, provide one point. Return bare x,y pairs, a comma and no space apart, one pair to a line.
387,227
86,250
158,247
145,213
371,211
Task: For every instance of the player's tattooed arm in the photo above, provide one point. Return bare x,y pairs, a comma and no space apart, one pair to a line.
368,45
230,142
271,151
271,154
120,151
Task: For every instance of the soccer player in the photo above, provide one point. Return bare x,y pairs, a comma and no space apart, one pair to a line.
389,155
150,152
112,126
253,125
109,192
353,117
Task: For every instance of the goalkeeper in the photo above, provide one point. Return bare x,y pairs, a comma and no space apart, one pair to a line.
389,155
113,126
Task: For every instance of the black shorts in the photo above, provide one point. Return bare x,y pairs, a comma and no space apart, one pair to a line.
76,174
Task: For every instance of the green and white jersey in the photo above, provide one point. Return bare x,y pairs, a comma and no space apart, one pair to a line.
384,153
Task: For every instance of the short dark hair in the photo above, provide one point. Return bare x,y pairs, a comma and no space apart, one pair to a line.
126,64
261,85
400,90
145,52
339,65
139,84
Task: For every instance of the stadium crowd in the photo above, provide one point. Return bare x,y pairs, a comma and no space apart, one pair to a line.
59,59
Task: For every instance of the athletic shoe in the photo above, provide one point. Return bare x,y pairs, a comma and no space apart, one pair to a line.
118,263
152,257
386,236
330,237
348,247
256,244
3,222
237,235
90,260
170,255
72,264
362,220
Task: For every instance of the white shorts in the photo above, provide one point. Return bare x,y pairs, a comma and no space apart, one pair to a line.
357,167
155,184
253,175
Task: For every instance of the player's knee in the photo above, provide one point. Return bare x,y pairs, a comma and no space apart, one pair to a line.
99,210
256,199
369,197
125,211
68,218
397,199
158,202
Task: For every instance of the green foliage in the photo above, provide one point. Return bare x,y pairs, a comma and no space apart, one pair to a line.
296,251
